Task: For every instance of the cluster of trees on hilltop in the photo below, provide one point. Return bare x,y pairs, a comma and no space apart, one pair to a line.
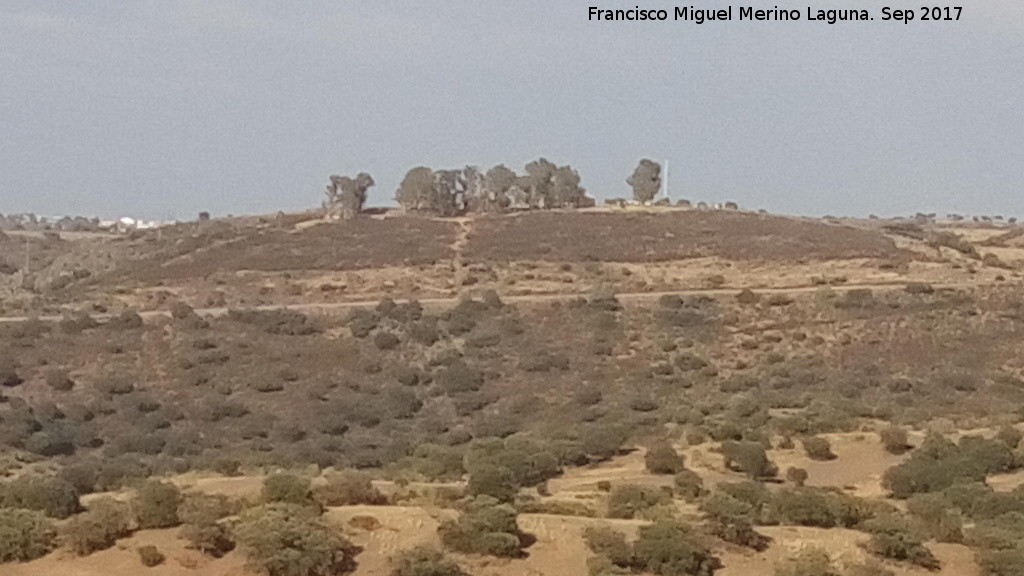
543,186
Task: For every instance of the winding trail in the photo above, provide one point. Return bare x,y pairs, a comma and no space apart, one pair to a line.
459,253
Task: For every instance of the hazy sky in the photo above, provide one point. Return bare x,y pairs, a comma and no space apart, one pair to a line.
163,108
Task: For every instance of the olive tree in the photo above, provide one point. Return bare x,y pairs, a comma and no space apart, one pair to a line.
646,180
291,540
416,189
346,196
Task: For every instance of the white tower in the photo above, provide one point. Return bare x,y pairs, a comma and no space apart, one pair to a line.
664,182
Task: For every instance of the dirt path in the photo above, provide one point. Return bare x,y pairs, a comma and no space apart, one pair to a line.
459,252
626,297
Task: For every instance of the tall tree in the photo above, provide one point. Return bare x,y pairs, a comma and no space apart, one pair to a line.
416,189
498,184
474,190
566,191
447,198
646,181
538,183
347,196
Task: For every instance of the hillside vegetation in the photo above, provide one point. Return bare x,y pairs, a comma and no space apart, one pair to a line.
523,416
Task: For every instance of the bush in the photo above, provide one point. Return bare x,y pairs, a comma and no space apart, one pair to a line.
9,376
753,493
609,543
689,485
218,410
544,361
288,540
77,322
459,378
436,463
1008,562
807,562
797,476
348,488
157,505
748,457
728,509
818,448
892,538
24,535
182,311
287,489
408,377
1010,436
82,476
1000,533
116,385
557,508
386,341
150,556
988,456
52,496
425,332
894,439
939,464
120,472
968,497
669,548
362,322
689,362
128,319
820,507
424,561
939,521
603,566
747,297
58,380
495,481
739,531
602,442
277,321
631,501
672,301
529,461
203,529
484,527
805,507
100,527
661,458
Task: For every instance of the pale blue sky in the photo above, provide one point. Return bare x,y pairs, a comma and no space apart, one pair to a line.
165,108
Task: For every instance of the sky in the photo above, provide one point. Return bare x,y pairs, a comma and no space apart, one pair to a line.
165,108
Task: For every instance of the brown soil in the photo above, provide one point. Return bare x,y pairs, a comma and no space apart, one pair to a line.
349,245
651,237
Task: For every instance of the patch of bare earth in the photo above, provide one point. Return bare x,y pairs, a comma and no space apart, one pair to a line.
861,463
123,560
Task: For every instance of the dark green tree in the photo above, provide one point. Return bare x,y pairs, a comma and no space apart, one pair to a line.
646,180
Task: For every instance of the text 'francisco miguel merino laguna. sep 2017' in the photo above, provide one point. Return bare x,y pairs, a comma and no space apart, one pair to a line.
775,14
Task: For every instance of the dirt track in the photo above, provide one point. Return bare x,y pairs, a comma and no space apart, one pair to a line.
629,297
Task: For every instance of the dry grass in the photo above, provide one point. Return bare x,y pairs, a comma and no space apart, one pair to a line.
651,237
